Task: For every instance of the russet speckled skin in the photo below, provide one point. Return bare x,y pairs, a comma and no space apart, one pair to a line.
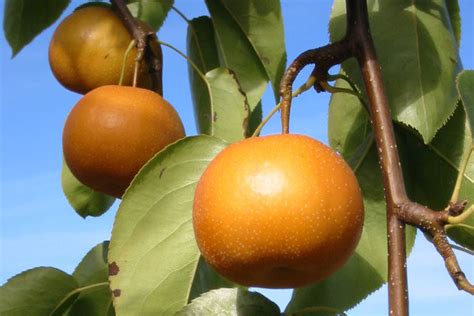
113,131
87,51
278,211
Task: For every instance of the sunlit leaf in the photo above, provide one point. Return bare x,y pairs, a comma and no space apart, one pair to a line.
231,302
84,200
23,20
153,255
230,111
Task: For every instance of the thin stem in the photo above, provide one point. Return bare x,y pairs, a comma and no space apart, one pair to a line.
326,86
195,67
304,87
465,250
144,36
125,58
135,71
462,170
353,87
345,78
324,58
74,292
462,217
265,120
181,14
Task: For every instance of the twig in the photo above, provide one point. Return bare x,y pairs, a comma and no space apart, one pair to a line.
324,58
304,87
433,224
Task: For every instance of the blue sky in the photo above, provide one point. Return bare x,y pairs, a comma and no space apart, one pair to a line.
39,228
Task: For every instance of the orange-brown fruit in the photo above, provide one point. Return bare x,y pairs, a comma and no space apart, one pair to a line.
87,51
278,211
113,131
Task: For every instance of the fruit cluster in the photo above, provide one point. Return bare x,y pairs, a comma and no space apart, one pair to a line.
114,129
276,211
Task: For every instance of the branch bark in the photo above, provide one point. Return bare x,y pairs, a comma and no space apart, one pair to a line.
389,160
147,46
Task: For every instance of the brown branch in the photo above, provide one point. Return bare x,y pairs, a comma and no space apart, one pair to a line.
395,194
400,210
147,46
358,43
432,223
324,58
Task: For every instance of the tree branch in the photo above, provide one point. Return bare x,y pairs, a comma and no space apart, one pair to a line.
147,47
324,58
389,160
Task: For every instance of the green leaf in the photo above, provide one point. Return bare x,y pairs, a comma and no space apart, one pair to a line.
237,54
93,269
23,20
206,279
35,292
455,17
225,113
230,111
153,254
84,200
202,51
231,302
420,76
262,24
362,278
348,126
255,119
434,167
465,86
153,12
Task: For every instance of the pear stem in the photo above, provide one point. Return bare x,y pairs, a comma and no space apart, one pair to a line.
151,53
